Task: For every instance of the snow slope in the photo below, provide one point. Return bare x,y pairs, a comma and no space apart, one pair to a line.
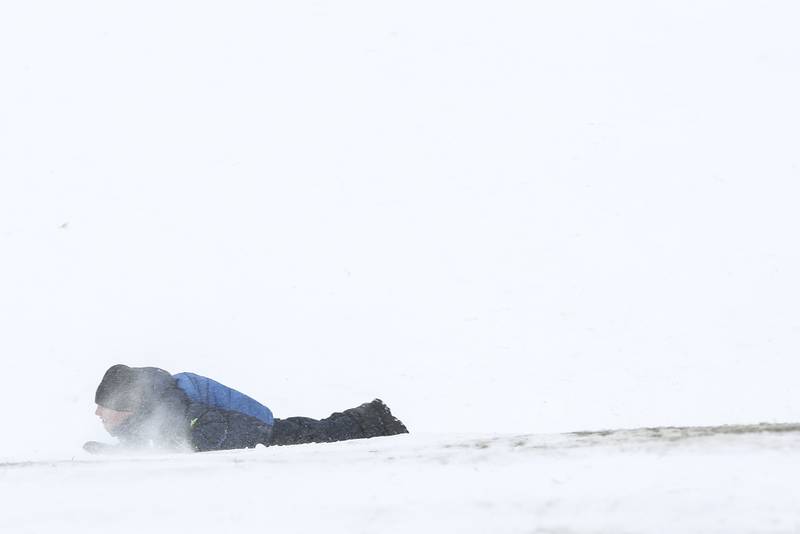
501,218
662,480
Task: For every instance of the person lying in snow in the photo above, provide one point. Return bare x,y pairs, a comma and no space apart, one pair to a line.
146,407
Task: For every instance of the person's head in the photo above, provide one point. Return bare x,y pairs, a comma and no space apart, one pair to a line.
119,395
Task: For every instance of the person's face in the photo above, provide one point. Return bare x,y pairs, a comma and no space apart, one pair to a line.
111,418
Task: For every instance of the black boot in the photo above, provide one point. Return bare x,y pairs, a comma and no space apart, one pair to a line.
375,419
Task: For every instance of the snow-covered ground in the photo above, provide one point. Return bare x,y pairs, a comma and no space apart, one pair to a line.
503,218
655,481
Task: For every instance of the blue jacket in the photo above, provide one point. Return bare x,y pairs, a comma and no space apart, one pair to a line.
211,393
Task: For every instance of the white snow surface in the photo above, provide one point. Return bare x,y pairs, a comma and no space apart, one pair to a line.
626,482
509,218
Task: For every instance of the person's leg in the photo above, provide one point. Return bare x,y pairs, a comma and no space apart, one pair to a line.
296,430
369,420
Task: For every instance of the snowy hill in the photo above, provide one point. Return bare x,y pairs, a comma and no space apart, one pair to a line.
506,218
701,480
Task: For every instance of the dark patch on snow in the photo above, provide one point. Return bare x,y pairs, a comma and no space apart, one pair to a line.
677,432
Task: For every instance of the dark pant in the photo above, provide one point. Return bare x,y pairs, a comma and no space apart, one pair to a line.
366,421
